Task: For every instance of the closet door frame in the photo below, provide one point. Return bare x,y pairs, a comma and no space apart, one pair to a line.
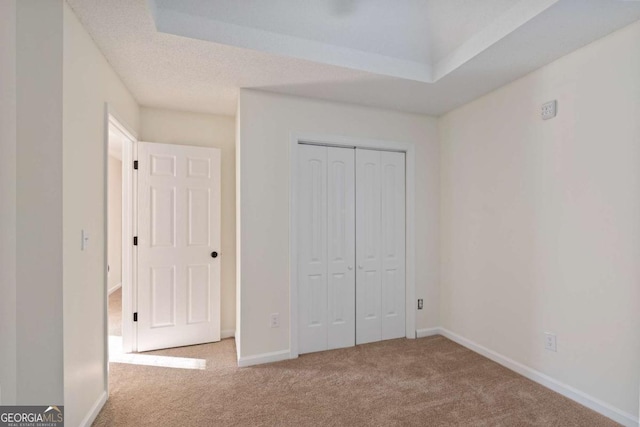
347,142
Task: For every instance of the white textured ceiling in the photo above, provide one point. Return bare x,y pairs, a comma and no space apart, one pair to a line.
469,47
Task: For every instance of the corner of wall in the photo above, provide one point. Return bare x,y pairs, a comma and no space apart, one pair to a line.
39,116
8,205
238,332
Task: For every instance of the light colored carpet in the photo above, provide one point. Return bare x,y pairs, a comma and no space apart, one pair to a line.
115,313
425,382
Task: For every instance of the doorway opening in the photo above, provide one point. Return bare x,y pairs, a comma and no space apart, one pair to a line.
120,225
163,270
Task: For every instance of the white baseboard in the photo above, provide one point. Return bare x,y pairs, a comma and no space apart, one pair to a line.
428,332
259,359
582,398
115,288
94,411
227,333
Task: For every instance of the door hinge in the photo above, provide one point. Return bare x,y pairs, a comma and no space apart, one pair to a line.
135,316
135,241
135,164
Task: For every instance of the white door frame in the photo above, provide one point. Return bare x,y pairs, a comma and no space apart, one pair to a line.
347,142
129,228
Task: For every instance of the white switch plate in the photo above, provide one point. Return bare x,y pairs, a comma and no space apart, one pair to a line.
275,320
549,110
85,240
550,342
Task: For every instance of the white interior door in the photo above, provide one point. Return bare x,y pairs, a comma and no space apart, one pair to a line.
380,245
326,248
178,239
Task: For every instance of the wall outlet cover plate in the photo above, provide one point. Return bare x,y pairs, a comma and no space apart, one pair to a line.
549,110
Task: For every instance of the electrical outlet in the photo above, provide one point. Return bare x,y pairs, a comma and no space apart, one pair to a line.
550,342
420,304
275,320
549,110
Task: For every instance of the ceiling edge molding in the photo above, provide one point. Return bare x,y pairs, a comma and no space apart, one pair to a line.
507,23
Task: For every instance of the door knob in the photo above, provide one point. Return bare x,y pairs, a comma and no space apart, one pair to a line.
350,268
214,254
360,267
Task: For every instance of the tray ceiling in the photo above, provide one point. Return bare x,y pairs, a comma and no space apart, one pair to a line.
423,56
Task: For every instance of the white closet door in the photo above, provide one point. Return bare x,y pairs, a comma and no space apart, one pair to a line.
179,234
312,249
380,245
340,306
368,247
393,244
326,248
342,233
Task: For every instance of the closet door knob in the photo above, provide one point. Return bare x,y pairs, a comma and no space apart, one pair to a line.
214,254
360,267
350,268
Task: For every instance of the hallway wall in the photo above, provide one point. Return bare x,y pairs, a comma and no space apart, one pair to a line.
89,84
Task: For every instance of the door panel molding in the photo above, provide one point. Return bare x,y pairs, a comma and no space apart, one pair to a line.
341,247
312,278
392,168
369,246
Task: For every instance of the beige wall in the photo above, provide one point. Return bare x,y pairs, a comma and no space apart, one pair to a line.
206,130
266,122
540,220
8,205
39,204
89,82
114,203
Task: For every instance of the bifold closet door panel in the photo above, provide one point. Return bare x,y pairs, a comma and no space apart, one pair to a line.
341,247
326,248
380,245
312,249
393,244
368,246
